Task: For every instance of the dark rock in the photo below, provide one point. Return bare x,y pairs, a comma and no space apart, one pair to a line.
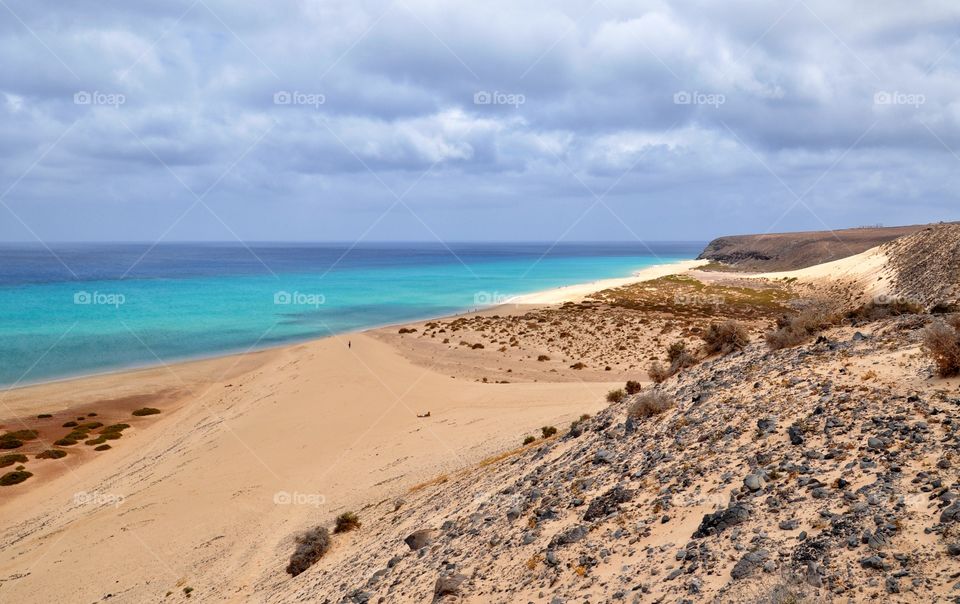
951,514
767,424
571,535
796,437
748,564
716,522
607,503
420,539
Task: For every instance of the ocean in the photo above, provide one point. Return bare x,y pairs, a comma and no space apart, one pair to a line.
77,309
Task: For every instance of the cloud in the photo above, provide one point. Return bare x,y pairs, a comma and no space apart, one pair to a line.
496,118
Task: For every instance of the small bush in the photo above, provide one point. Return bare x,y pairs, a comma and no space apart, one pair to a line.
578,366
11,458
65,442
404,330
311,546
548,431
648,404
20,435
633,387
346,522
477,347
529,439
874,311
15,477
942,343
615,396
70,424
658,372
44,416
51,454
10,443
144,411
115,428
725,337
102,448
796,329
543,358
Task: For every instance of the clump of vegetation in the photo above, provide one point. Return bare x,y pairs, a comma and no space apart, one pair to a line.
102,448
725,337
548,431
52,454
65,442
477,347
615,396
796,329
95,441
346,522
658,372
11,458
881,309
578,366
633,387
648,404
529,439
941,341
44,416
404,330
143,411
15,477
70,424
10,443
543,358
311,546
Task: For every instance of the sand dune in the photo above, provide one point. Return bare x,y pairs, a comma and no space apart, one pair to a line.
210,493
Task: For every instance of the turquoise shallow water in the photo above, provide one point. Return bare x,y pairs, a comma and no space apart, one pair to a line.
79,309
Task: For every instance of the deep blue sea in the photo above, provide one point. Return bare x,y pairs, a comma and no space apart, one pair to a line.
86,308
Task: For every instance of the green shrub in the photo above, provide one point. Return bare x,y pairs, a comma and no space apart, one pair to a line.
146,411
20,435
102,448
346,522
65,442
51,454
10,443
15,477
11,458
70,424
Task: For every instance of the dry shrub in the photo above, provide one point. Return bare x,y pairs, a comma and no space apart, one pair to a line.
615,396
942,343
648,404
658,373
796,329
346,522
874,311
633,387
311,546
725,337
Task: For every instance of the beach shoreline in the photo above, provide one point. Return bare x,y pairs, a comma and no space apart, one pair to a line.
558,295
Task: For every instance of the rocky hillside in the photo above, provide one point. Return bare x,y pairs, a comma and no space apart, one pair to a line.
790,251
826,472
926,265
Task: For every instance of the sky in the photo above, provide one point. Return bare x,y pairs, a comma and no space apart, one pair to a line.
422,120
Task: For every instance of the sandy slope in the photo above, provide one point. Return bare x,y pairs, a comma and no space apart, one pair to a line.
205,487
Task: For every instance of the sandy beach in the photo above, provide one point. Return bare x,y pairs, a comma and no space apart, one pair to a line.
247,450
